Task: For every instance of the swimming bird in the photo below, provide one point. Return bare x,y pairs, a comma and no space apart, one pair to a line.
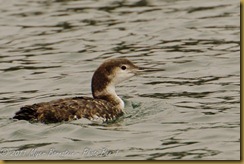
105,105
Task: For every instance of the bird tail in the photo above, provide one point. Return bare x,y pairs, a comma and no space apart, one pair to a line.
26,113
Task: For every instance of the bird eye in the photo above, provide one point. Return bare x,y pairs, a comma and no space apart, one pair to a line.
123,67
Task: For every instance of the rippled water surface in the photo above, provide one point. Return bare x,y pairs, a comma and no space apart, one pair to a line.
189,109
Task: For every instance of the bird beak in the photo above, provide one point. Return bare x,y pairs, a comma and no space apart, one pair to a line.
140,71
145,70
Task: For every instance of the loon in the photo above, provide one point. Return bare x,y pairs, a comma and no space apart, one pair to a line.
105,105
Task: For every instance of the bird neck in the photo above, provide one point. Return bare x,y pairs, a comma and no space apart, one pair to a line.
104,88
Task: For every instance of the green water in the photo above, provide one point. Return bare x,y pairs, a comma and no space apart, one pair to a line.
189,109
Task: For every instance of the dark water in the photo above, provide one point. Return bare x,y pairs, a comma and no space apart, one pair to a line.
187,110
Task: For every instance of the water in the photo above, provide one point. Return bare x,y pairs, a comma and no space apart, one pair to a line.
189,109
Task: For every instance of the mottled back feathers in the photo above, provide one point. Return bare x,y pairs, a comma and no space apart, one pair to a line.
68,109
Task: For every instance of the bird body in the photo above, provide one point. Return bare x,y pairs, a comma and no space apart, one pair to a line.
105,105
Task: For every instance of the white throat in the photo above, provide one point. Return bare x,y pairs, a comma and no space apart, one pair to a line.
110,89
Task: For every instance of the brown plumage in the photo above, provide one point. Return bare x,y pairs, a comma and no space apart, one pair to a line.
68,109
105,105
